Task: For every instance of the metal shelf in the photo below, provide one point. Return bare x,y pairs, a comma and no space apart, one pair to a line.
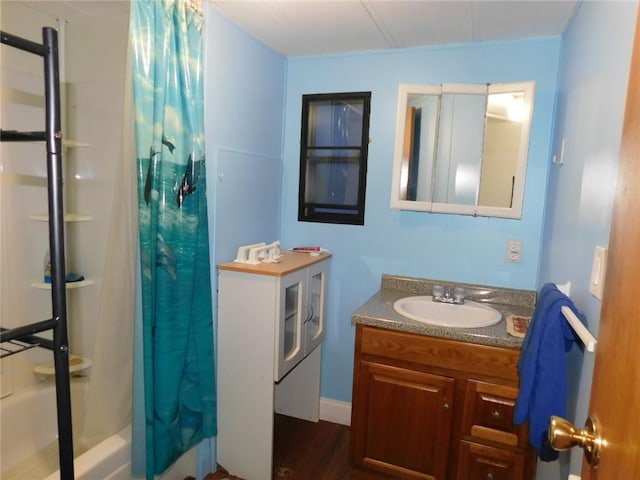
12,347
23,338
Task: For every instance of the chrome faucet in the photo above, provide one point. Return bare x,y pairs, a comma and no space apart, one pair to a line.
442,294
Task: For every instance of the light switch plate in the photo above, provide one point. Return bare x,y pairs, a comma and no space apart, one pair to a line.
598,270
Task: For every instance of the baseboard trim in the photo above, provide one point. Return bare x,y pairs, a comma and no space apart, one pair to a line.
335,411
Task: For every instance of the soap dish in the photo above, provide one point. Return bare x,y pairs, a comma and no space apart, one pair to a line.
76,364
517,325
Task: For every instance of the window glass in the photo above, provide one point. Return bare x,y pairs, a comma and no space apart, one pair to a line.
333,157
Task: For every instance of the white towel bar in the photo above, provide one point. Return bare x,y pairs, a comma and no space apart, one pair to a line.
584,334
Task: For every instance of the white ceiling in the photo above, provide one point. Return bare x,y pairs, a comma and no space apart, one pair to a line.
313,27
76,10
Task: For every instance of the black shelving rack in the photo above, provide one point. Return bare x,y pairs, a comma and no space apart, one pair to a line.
15,340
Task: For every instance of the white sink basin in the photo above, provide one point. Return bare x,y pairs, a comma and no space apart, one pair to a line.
469,315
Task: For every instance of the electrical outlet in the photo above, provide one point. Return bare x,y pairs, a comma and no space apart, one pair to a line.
514,250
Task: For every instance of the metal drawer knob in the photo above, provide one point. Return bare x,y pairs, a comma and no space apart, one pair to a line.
496,415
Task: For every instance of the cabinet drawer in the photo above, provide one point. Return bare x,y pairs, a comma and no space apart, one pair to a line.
481,462
437,352
488,413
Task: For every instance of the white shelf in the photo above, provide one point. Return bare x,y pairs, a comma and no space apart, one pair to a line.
76,364
68,217
74,144
70,285
65,143
23,180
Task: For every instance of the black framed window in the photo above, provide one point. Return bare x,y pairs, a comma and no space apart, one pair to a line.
334,143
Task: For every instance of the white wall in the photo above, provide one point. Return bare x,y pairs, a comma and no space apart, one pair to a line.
96,53
591,98
92,60
92,87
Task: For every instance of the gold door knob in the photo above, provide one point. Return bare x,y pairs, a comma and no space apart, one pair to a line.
563,435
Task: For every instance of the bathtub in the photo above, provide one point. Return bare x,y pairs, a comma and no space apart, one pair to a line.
109,460
28,438
29,447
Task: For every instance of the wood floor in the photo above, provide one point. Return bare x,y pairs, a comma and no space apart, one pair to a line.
306,451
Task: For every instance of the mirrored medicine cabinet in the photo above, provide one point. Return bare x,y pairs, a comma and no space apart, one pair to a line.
462,148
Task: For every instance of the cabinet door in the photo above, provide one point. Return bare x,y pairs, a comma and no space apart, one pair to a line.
314,323
403,422
292,311
482,462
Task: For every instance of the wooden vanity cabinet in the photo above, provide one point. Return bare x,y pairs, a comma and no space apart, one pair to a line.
433,408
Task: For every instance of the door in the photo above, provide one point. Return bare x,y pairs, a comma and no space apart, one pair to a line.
615,395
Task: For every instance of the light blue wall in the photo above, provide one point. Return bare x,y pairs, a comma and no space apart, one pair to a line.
244,121
591,97
458,248
244,85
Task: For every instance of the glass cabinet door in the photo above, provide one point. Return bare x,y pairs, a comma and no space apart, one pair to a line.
314,320
292,312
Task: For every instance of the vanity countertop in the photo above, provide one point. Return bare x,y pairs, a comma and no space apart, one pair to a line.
378,310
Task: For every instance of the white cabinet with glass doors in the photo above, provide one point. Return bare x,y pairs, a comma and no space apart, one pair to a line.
271,321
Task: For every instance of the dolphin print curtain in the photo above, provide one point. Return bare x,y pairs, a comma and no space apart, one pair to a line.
179,384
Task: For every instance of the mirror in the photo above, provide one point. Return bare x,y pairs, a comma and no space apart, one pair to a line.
462,148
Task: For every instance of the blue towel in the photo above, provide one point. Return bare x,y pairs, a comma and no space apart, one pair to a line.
543,368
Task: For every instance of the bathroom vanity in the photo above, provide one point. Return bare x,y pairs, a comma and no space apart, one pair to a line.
437,402
270,326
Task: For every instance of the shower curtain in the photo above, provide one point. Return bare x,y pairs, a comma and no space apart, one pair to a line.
108,405
180,402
